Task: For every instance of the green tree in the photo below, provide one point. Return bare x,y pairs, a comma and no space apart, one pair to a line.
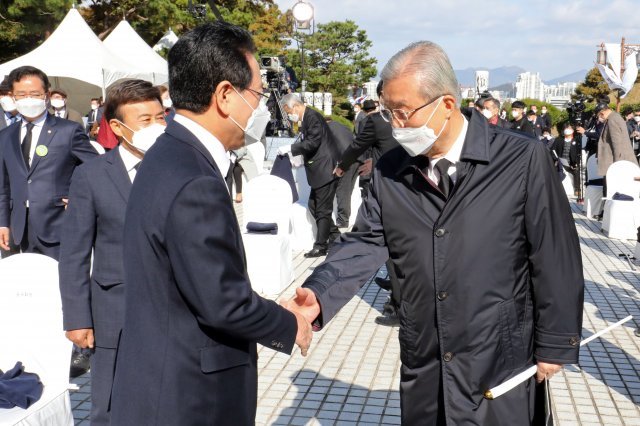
24,24
336,57
593,86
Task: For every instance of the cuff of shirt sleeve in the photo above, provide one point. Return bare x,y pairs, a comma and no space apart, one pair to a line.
557,348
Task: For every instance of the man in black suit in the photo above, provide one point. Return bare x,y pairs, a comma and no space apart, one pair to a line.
343,137
8,111
321,153
95,114
520,121
93,299
60,109
187,354
37,158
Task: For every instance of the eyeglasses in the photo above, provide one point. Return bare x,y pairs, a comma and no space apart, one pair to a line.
35,95
260,95
400,115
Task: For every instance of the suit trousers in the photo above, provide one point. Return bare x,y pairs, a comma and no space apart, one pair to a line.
103,362
32,244
321,208
344,191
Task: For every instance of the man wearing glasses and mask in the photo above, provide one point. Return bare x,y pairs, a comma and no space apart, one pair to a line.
187,353
38,156
484,245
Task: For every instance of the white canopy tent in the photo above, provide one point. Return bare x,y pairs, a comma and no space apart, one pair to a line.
126,43
167,41
74,51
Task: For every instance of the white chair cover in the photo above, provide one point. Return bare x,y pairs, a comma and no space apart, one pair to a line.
256,151
32,332
567,184
593,193
303,227
98,147
356,201
269,258
621,218
592,168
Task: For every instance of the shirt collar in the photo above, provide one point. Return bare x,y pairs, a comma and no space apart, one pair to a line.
453,155
210,142
129,160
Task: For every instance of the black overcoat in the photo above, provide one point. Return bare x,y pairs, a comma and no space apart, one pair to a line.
490,280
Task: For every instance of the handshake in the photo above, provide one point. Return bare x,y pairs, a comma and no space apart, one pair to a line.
306,308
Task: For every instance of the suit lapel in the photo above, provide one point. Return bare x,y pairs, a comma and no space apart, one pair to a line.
46,136
16,145
118,173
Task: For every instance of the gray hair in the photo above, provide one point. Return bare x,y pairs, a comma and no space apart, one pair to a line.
290,100
431,65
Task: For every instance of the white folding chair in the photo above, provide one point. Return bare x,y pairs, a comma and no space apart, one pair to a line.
303,226
356,201
256,151
32,332
593,193
621,219
267,199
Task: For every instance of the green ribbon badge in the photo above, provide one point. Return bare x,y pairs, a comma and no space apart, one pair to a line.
42,150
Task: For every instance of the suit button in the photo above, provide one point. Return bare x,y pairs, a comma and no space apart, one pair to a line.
448,356
29,181
440,232
574,341
442,295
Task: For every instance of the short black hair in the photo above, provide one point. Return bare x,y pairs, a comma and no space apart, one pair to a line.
530,113
128,92
28,71
204,57
379,88
546,130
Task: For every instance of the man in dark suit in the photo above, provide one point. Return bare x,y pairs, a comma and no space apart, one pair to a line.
520,121
8,111
93,299
60,109
187,354
321,153
37,158
343,137
94,115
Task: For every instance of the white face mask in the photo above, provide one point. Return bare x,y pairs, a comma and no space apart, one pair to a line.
294,117
167,103
568,132
544,111
418,140
257,122
488,114
515,114
58,103
94,107
545,136
144,138
8,104
30,107
636,118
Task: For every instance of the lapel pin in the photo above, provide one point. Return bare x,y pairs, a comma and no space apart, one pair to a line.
41,150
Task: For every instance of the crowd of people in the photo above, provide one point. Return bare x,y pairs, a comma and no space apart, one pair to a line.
463,207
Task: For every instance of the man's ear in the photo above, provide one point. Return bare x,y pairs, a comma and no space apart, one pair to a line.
222,99
116,127
449,102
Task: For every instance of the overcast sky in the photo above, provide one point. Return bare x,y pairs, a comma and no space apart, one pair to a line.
553,37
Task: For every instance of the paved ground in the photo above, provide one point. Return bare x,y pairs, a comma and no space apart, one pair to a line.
352,372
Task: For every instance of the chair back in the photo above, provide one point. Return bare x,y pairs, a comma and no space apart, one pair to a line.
256,151
268,199
592,168
302,185
31,318
620,178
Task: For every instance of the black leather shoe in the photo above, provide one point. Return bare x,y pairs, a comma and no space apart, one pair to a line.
388,320
384,283
316,252
80,364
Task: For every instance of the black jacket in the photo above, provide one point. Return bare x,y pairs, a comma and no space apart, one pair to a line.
375,134
523,125
490,280
318,147
574,151
341,135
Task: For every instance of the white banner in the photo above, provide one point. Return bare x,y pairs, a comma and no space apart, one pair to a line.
630,72
610,77
613,57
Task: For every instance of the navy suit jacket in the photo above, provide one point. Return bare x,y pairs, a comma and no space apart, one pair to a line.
375,134
45,183
318,147
188,353
94,221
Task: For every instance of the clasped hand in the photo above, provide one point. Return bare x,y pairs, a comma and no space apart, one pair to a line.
306,308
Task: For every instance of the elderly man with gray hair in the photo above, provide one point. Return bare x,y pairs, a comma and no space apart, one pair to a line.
321,154
480,234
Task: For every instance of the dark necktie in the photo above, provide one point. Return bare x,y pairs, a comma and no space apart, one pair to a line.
26,144
137,166
444,183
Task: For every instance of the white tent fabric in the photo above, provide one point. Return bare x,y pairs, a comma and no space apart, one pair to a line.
126,43
73,50
167,41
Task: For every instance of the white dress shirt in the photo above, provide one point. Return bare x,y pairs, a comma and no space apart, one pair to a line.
130,162
213,145
35,134
60,112
453,155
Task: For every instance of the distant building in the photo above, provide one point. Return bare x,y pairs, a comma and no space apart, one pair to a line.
559,95
370,89
529,85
